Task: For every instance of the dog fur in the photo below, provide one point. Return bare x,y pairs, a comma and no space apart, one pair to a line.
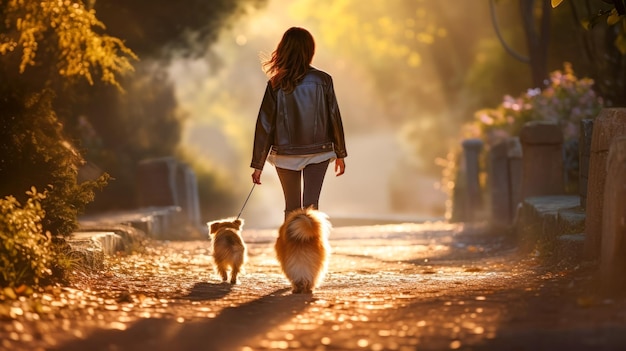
302,248
229,248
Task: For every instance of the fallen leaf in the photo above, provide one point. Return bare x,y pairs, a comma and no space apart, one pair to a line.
9,293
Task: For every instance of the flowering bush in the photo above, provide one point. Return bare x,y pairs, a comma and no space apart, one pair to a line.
26,253
565,100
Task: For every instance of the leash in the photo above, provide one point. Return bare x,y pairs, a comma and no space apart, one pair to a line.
245,202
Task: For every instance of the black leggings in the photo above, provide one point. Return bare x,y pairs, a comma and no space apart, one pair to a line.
295,197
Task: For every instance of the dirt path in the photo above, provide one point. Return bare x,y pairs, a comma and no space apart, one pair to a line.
396,287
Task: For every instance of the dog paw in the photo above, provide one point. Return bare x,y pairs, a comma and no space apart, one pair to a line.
302,288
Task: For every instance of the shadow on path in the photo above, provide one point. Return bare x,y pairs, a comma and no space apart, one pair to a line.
207,291
230,330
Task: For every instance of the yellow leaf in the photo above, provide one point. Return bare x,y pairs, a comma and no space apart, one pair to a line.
8,292
613,18
556,3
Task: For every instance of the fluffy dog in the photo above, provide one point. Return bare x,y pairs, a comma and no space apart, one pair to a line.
229,249
302,248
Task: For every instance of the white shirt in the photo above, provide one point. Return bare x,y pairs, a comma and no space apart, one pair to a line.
298,162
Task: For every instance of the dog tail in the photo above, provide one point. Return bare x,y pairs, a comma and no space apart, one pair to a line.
307,224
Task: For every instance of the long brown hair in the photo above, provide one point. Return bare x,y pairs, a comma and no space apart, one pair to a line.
291,59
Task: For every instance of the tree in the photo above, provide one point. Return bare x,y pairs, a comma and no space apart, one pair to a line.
43,43
56,63
536,25
146,121
604,53
423,57
601,26
67,34
113,128
161,29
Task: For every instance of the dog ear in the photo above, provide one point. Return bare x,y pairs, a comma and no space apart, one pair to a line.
238,223
214,226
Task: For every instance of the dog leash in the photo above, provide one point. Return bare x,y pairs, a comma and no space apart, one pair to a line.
245,202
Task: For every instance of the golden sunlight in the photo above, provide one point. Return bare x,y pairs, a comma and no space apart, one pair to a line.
384,62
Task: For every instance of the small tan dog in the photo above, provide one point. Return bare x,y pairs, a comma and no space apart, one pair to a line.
302,248
229,249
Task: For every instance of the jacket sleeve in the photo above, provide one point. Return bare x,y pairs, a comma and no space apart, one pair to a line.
265,127
335,122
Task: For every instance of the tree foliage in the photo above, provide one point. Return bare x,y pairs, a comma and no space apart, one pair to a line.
62,76
392,42
116,131
432,64
69,32
147,120
44,47
35,152
67,45
600,27
159,29
613,12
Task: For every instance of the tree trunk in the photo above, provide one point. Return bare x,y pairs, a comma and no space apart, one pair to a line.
537,38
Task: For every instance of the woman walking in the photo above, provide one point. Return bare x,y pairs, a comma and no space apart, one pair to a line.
298,129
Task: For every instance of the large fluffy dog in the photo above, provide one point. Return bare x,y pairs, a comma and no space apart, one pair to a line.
302,248
229,249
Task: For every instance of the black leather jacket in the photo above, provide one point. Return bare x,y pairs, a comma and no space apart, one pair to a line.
305,121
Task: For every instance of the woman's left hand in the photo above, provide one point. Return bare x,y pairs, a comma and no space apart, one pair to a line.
340,167
256,176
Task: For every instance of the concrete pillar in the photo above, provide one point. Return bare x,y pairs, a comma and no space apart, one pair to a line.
505,174
542,165
610,123
514,154
584,149
471,152
613,245
167,184
499,184
156,185
459,196
192,200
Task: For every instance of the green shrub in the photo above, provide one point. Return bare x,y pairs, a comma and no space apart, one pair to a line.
35,152
26,251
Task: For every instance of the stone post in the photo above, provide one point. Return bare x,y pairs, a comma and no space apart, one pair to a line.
514,154
192,199
613,246
170,189
156,185
610,123
459,196
471,151
542,165
584,148
499,184
505,174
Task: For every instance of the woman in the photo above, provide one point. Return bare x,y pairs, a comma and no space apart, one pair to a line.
299,128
